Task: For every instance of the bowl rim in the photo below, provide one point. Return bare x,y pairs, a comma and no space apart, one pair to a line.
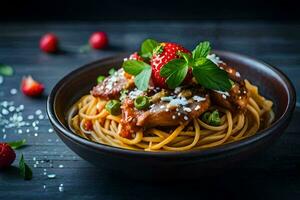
192,153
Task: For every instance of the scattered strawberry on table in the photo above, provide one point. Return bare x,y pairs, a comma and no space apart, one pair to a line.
7,155
31,88
98,40
49,43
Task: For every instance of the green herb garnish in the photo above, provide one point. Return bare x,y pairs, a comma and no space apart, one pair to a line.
207,73
24,169
141,71
142,102
112,71
100,79
212,118
113,107
148,47
17,144
6,70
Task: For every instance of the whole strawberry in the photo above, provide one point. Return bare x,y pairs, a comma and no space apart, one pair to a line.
161,56
49,43
7,155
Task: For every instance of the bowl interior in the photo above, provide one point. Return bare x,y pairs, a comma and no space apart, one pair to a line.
272,84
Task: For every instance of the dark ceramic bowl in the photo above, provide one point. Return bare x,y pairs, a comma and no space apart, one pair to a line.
189,164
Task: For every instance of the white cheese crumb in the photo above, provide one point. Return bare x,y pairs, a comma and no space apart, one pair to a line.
187,109
186,118
198,98
221,92
135,93
215,59
197,107
177,90
179,101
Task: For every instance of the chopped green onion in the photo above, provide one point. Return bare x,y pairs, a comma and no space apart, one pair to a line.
111,71
113,107
142,102
100,78
212,118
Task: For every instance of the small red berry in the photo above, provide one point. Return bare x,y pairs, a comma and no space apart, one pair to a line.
7,155
135,56
49,43
31,87
98,40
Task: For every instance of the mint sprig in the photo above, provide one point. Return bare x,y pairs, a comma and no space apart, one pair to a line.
148,47
25,170
207,73
141,71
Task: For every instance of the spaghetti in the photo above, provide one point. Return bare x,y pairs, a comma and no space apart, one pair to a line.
195,134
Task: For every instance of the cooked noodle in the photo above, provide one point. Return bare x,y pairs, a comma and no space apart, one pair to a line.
194,134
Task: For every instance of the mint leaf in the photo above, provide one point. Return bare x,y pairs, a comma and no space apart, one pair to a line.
201,50
134,67
175,71
6,70
24,169
210,76
147,48
17,144
142,79
141,71
111,71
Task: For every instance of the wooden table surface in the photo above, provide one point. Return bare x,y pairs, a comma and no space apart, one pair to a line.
274,174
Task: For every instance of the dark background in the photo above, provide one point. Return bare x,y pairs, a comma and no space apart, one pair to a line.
53,10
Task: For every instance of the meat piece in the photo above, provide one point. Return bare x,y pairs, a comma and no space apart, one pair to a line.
111,87
238,96
161,115
129,118
233,74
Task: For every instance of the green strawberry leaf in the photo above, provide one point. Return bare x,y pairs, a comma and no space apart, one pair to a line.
141,71
175,71
210,76
6,70
17,144
24,169
201,50
187,57
147,48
